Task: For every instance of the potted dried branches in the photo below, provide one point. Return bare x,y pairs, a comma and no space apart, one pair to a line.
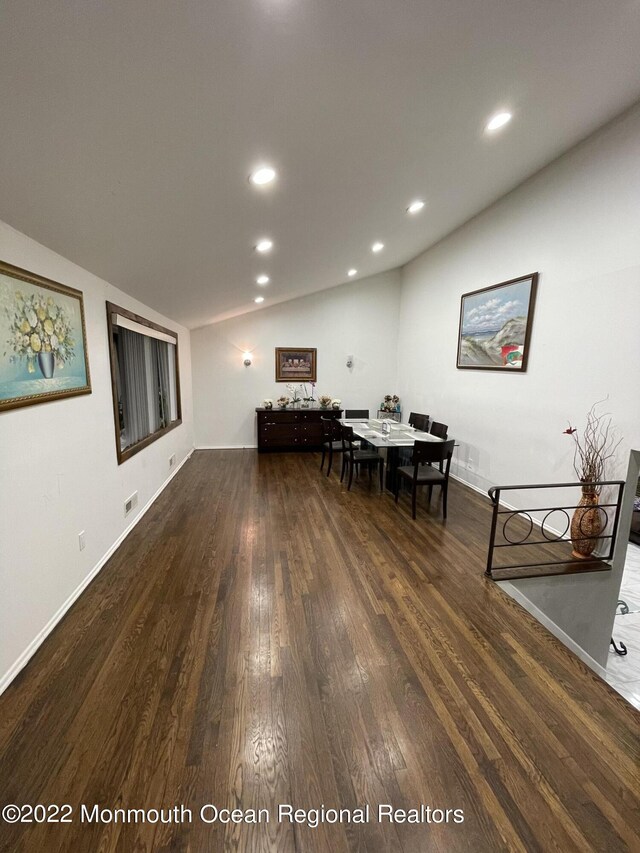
592,451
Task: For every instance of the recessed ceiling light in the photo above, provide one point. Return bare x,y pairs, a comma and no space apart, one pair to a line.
498,120
263,279
259,299
415,206
264,246
377,247
263,175
352,272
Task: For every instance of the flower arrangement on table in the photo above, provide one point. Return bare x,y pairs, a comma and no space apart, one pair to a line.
293,390
308,398
391,403
283,401
325,401
37,324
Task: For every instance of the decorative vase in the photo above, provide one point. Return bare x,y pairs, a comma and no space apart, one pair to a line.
268,405
335,406
586,521
46,363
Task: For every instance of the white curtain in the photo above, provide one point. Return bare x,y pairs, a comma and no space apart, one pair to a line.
161,360
135,403
152,383
173,391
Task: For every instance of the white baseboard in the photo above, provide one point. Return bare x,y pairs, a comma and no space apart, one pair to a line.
551,626
470,485
35,644
226,447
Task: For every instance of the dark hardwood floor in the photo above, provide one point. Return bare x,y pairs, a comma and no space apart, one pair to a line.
265,637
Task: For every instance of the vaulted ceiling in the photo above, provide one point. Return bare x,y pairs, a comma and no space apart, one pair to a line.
129,129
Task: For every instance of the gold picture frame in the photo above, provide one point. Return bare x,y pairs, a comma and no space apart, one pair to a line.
43,340
296,364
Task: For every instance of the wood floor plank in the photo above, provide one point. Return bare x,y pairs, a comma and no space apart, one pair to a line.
265,637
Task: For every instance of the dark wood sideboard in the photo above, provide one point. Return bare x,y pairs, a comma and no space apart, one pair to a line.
292,429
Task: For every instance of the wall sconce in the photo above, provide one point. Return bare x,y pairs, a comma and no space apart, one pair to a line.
349,361
247,359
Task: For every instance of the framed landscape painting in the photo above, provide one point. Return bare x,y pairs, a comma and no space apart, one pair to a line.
43,347
495,325
296,364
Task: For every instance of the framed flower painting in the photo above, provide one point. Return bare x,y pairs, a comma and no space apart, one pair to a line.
43,345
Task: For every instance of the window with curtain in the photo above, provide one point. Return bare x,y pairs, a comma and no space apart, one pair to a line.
145,381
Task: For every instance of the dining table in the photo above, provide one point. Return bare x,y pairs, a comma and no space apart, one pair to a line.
374,431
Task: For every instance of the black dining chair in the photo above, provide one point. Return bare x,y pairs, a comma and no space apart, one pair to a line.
352,457
420,422
331,441
416,417
439,430
418,474
353,414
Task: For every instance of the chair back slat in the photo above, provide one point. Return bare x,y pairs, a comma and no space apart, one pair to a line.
352,414
330,429
439,430
348,438
419,421
432,451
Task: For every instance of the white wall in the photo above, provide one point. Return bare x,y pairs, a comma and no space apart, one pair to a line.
359,319
577,222
59,474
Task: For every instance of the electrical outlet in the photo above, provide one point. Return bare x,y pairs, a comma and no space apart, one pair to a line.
130,504
81,540
172,460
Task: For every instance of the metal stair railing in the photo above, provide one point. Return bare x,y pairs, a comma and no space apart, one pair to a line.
548,567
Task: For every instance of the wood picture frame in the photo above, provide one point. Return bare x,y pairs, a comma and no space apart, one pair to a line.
114,312
43,340
296,364
495,326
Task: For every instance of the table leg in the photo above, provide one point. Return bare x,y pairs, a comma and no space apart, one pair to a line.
392,467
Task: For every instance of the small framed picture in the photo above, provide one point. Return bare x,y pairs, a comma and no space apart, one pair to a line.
43,343
495,326
296,364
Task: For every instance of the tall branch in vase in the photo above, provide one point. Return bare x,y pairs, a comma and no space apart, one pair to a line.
596,447
592,452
